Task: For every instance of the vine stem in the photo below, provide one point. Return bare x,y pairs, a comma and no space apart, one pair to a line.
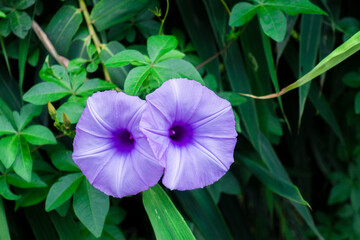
165,16
48,45
93,35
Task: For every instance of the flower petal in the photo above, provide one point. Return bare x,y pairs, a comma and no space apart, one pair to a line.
195,166
207,154
108,167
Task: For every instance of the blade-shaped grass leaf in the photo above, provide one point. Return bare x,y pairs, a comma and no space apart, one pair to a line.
135,79
38,135
124,58
107,13
63,27
274,183
91,207
157,46
62,190
4,229
23,162
45,92
165,219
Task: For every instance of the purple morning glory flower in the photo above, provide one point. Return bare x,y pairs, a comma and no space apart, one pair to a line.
191,131
109,148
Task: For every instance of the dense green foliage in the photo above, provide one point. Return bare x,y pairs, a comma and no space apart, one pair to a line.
297,161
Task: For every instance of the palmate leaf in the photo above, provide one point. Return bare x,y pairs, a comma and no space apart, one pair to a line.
23,162
165,219
94,85
125,57
72,109
9,150
293,7
45,92
20,23
242,13
157,46
135,79
62,190
5,126
273,22
91,207
62,159
27,113
17,181
38,135
5,190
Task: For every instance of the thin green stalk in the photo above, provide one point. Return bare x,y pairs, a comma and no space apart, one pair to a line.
165,16
226,6
93,35
5,55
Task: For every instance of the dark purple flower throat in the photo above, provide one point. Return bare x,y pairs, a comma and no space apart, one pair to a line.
181,134
124,140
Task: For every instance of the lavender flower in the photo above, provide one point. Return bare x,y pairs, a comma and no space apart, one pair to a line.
110,149
191,131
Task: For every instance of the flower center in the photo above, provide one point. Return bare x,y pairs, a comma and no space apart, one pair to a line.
124,141
181,134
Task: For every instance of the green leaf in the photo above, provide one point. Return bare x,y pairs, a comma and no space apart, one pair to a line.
27,113
63,27
31,196
91,207
5,190
227,184
163,74
242,13
357,103
157,46
183,68
5,28
135,79
352,79
9,150
339,193
341,53
203,212
20,23
293,7
274,183
62,160
16,181
355,198
38,135
4,229
309,48
237,122
125,57
94,85
107,13
23,162
72,109
62,190
234,98
5,126
2,14
45,92
273,22
22,4
165,219
172,54
66,227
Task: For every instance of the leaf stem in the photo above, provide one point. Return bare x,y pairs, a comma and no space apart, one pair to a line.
226,6
93,35
165,16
